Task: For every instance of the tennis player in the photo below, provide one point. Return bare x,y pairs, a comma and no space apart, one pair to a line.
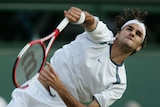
90,68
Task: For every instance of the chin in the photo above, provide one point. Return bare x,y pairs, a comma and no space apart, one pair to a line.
130,46
129,43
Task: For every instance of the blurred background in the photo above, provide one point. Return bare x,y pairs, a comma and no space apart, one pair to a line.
23,21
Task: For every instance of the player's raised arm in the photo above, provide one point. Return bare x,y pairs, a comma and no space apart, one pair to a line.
77,16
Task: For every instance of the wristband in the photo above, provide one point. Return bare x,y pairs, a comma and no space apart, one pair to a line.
81,19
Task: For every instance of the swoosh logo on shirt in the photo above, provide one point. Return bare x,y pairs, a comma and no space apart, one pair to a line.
99,61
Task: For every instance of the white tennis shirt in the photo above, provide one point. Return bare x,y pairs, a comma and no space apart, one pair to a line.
85,68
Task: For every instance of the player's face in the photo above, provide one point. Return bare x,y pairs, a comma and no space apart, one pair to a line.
131,36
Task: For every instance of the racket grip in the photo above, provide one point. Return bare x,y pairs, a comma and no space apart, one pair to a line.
63,24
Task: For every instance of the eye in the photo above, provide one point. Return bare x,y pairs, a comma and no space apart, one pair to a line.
139,33
129,28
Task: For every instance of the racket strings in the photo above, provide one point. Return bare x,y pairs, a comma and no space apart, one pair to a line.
30,63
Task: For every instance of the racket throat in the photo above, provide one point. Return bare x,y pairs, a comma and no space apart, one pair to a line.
54,36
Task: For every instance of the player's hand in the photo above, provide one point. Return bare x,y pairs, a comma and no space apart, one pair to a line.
48,77
74,14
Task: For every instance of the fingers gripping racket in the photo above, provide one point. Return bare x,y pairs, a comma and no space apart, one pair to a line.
31,58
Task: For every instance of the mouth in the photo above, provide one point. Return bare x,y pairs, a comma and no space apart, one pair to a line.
130,39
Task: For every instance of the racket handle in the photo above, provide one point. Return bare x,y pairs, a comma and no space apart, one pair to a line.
63,24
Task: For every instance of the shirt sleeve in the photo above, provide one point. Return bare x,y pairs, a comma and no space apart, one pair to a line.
110,95
101,34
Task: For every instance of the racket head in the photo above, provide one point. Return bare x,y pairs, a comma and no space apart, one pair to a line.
29,62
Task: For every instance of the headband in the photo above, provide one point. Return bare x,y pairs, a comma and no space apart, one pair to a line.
135,21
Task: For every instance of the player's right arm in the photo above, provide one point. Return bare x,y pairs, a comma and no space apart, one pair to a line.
97,30
74,14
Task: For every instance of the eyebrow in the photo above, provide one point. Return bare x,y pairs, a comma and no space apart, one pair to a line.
137,30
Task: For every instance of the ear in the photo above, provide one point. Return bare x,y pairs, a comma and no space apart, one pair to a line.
139,48
117,34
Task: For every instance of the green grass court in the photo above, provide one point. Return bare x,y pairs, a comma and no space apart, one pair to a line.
143,73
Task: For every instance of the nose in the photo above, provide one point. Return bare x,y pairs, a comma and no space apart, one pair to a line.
132,33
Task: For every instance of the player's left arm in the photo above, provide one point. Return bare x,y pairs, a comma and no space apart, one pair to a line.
48,77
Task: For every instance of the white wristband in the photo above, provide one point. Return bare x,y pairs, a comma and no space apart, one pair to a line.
81,19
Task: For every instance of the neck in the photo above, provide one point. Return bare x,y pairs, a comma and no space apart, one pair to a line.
118,53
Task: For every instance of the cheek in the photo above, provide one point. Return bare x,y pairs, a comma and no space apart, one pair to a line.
138,42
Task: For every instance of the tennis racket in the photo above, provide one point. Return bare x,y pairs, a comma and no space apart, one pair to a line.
32,57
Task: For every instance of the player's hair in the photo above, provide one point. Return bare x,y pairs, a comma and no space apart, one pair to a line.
130,14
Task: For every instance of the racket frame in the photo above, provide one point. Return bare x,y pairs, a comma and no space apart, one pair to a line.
46,50
24,49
